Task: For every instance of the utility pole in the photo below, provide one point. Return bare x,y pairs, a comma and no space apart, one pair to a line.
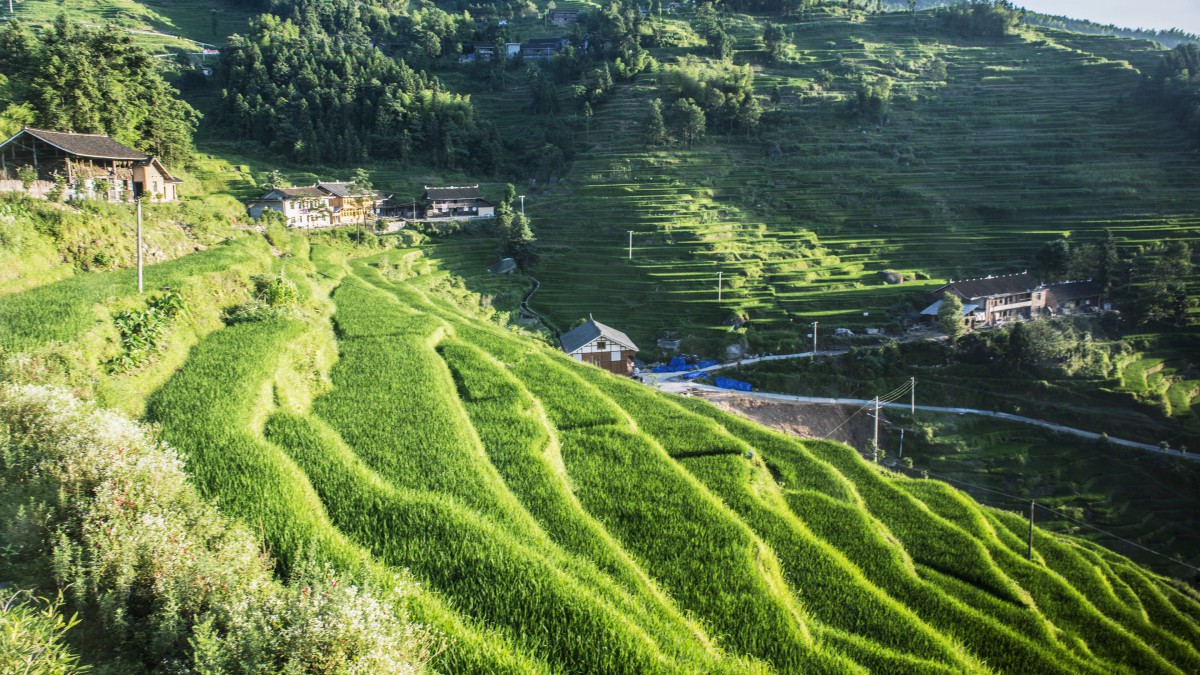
522,204
875,444
1032,504
719,287
139,241
814,325
901,442
631,244
912,388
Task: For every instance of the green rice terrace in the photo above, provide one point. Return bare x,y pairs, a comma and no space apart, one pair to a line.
558,519
989,148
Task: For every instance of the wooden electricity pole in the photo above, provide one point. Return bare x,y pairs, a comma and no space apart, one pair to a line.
1032,505
719,287
139,244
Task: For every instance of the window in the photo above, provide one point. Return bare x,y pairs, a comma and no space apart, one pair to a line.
602,345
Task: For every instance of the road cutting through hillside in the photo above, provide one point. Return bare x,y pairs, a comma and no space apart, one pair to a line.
670,382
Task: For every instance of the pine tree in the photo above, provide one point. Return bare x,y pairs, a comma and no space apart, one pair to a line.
950,317
656,128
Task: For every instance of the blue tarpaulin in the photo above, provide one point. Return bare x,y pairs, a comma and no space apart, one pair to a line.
694,374
707,364
728,383
677,363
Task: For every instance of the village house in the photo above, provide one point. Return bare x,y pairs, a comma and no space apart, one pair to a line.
486,51
456,202
593,342
90,165
562,17
995,300
543,48
320,205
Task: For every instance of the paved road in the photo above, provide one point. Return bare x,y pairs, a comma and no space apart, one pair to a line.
679,387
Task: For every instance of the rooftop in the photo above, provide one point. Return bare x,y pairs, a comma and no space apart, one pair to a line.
452,192
987,287
94,146
591,329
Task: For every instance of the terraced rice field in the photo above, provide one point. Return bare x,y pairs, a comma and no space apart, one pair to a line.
1027,139
560,519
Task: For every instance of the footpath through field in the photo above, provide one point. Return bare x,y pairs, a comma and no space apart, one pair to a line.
669,382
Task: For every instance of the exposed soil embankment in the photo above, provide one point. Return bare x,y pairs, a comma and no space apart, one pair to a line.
835,423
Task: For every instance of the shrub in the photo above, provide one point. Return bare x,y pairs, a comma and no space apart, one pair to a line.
31,635
142,331
275,296
160,578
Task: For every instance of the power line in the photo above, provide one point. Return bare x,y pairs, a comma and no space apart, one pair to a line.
1024,500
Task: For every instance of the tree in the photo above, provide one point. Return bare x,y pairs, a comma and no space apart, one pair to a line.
720,44
950,317
687,121
1053,260
519,242
656,128
273,180
361,187
1161,291
775,40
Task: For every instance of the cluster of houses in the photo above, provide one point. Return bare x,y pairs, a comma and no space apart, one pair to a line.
996,300
537,48
336,203
81,166
320,205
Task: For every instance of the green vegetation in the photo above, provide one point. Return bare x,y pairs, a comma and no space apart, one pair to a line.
363,415
579,516
154,574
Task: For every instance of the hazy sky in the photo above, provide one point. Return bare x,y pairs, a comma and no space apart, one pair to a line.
1184,14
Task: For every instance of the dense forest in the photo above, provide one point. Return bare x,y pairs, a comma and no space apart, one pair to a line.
92,80
316,97
1177,81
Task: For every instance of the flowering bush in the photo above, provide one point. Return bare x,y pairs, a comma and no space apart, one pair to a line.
155,573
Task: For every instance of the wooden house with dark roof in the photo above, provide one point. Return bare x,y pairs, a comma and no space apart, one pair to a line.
562,17
543,48
600,345
93,165
1075,297
456,202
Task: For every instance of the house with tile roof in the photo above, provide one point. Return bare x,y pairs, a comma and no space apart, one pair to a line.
325,204
92,166
456,202
600,345
995,300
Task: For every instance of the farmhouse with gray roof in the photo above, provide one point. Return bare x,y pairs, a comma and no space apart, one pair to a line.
600,345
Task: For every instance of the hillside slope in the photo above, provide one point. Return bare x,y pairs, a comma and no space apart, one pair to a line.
560,519
599,526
